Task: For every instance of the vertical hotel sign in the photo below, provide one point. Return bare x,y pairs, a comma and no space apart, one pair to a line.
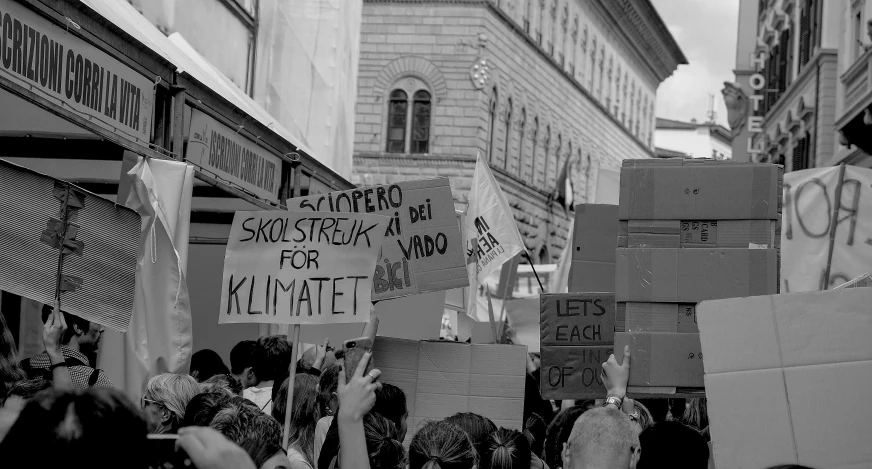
757,83
54,63
220,150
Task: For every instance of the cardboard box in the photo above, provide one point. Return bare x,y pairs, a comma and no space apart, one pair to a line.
573,372
441,378
699,234
658,317
577,318
663,358
593,246
788,378
696,190
694,275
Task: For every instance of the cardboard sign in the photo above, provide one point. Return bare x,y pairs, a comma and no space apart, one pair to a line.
300,268
577,318
699,234
103,242
442,378
573,372
770,361
422,245
523,316
220,150
663,359
593,248
53,62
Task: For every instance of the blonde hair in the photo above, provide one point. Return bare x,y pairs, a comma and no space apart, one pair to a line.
173,391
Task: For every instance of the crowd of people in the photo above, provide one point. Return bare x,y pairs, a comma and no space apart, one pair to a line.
59,411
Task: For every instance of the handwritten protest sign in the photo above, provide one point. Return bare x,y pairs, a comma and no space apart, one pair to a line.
300,268
809,203
421,251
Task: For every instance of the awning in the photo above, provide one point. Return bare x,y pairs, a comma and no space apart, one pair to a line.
188,62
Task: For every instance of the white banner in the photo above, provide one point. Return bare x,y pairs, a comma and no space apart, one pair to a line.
55,63
807,214
221,151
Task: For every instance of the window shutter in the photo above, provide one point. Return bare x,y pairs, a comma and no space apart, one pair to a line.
799,155
783,47
790,58
804,36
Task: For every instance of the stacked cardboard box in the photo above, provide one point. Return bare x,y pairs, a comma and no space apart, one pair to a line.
593,248
690,230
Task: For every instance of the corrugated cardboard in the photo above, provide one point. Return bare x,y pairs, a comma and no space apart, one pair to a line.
442,378
788,379
658,317
693,190
577,318
694,275
593,247
698,233
663,358
573,372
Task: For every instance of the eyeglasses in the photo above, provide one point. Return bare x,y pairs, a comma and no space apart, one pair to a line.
143,402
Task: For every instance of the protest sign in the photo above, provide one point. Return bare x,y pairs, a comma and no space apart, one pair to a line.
523,317
221,151
770,361
421,251
441,378
573,372
300,268
40,217
577,318
813,215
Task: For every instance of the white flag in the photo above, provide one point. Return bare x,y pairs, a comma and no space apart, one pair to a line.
492,237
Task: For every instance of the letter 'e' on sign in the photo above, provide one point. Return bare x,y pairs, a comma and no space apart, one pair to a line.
300,268
577,319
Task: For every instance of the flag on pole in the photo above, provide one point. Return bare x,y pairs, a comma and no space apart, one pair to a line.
492,237
559,280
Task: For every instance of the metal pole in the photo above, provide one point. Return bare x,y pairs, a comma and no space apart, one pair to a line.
833,223
291,376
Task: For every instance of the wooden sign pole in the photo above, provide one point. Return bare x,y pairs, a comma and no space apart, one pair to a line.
291,376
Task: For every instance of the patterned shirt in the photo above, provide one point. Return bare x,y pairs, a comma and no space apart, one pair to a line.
80,374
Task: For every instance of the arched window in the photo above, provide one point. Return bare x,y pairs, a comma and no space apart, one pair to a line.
398,108
541,22
508,133
528,14
535,141
547,154
421,122
592,65
556,158
521,141
544,257
492,115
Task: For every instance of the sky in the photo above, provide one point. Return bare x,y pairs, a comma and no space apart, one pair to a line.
706,32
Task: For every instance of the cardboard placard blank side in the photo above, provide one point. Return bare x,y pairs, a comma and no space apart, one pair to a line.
663,358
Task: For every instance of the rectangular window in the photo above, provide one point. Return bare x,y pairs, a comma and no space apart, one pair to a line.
397,126
857,47
420,126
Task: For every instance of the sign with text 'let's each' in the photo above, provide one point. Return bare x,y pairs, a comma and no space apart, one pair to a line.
422,244
54,63
300,268
221,151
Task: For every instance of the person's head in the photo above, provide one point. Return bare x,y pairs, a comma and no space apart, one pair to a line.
477,427
23,391
165,398
383,443
311,353
602,437
81,334
506,449
96,427
534,430
328,400
643,418
390,402
533,402
696,414
271,359
442,445
304,415
206,364
222,383
10,368
242,361
266,455
673,444
239,420
203,407
558,433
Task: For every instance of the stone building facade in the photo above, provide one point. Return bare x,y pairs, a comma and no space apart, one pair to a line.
531,84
